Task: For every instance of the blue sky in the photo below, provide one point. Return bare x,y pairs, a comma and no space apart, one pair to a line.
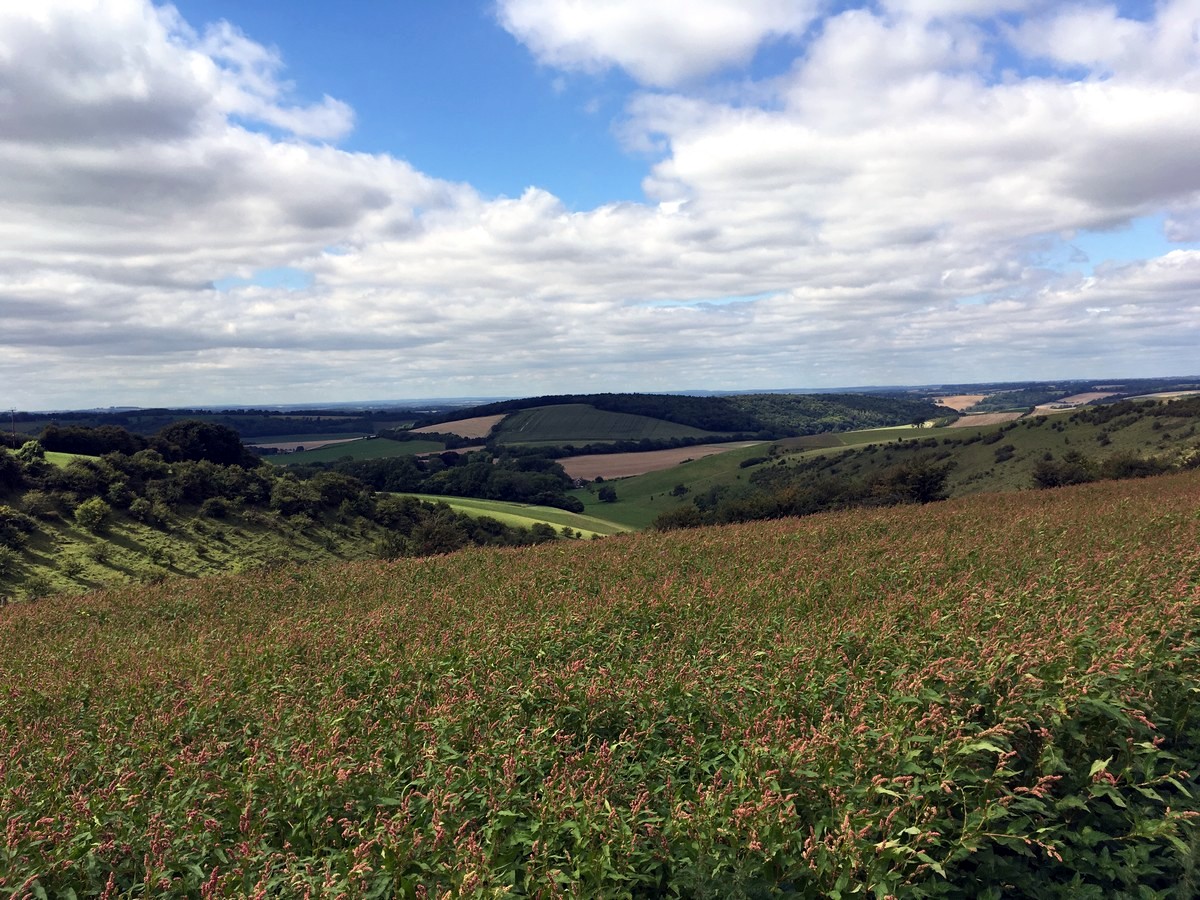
444,87
220,202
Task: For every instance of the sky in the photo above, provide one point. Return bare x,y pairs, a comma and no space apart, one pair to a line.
253,202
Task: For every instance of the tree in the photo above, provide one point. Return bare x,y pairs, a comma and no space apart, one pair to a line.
196,440
607,494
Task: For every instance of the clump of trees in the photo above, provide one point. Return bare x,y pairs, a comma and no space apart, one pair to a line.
784,493
488,475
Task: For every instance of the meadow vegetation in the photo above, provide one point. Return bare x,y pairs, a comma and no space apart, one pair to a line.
987,697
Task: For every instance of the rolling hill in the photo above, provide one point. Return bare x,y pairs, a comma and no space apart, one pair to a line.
992,696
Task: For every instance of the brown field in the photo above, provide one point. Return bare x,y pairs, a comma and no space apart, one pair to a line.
460,450
621,465
478,427
959,402
1080,399
307,445
985,419
1165,395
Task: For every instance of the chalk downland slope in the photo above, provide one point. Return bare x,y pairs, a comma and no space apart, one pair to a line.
918,701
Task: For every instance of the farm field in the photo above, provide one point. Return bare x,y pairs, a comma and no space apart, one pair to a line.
988,697
376,448
972,421
621,465
476,427
642,498
959,402
526,515
579,423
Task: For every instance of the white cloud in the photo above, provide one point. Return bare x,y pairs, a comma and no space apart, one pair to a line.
888,209
664,43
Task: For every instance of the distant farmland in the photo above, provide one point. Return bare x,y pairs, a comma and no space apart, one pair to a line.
376,448
621,465
579,423
477,427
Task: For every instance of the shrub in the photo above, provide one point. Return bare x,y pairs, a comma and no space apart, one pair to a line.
214,508
14,526
41,504
93,514
37,586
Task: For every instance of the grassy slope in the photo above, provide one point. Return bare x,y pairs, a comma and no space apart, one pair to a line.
879,702
642,498
378,448
859,453
526,515
577,423
62,556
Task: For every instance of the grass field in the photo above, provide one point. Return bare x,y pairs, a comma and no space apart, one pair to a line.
577,423
61,459
991,697
301,438
375,448
642,498
526,515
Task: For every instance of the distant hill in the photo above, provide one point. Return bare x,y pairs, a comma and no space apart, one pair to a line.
764,415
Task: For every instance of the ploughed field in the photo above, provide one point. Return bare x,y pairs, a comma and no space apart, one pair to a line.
992,696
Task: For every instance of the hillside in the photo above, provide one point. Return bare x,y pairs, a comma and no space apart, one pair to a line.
75,523
776,415
992,694
579,423
789,477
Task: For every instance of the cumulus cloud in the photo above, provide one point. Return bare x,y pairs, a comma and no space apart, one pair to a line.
663,43
882,212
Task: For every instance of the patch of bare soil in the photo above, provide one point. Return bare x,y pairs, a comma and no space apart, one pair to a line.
621,465
478,427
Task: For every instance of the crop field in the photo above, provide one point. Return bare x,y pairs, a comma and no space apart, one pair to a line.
621,465
526,515
476,427
303,438
376,448
581,424
991,697
642,498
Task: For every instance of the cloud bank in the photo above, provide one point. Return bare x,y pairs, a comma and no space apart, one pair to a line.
895,207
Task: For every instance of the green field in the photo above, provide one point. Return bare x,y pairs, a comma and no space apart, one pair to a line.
577,423
642,498
526,515
374,448
300,438
990,697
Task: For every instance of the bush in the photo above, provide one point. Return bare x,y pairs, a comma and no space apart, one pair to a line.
37,586
14,526
41,504
214,508
93,514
